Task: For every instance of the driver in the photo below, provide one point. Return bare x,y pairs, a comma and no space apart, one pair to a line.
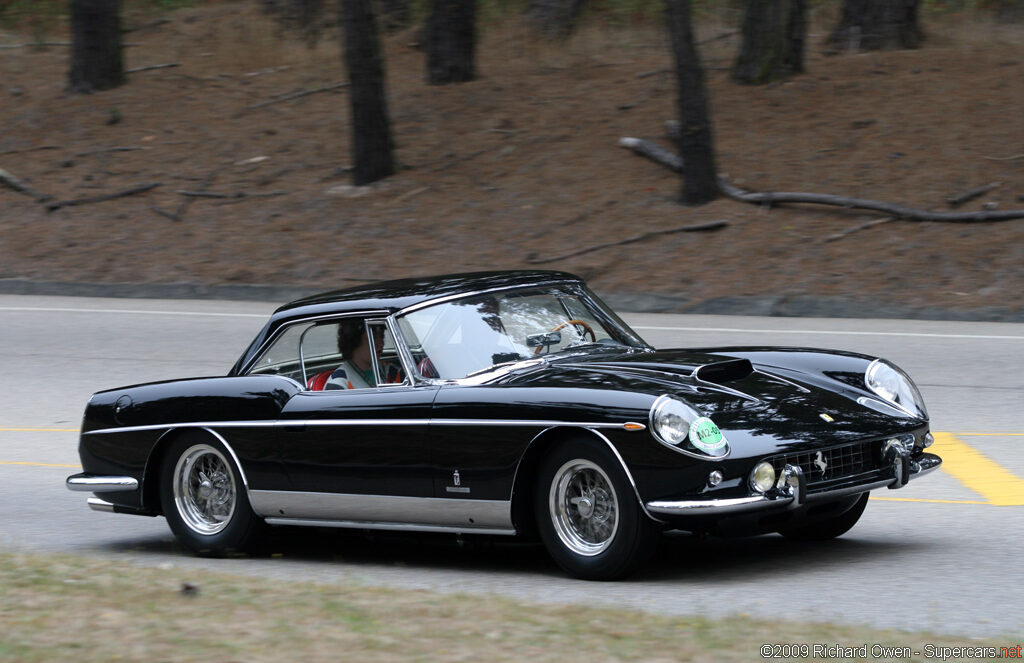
356,371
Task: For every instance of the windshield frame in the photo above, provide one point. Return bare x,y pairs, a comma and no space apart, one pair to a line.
628,338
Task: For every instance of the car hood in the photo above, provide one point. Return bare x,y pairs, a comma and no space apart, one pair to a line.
749,392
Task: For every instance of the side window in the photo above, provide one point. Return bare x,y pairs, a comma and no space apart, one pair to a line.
282,357
347,353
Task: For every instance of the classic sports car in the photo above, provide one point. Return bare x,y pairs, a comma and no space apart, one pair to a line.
504,403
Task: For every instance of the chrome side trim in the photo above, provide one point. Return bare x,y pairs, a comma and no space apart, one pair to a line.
96,504
208,425
402,527
546,423
390,510
85,483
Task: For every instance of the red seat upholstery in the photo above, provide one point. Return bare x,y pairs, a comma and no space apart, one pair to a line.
317,382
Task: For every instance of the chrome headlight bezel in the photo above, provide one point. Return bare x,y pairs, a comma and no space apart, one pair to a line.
681,427
894,387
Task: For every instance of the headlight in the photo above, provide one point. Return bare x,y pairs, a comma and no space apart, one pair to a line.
683,428
763,477
895,387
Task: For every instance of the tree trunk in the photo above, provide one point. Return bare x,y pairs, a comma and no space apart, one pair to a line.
96,61
555,18
451,42
700,183
773,41
869,25
372,147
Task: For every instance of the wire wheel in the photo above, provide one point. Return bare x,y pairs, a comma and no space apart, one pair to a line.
204,487
584,507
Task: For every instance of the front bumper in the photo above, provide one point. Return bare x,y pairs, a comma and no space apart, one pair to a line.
794,491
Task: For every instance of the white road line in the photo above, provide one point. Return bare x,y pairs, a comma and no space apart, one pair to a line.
134,312
829,332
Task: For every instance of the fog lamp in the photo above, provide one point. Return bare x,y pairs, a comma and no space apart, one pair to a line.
763,477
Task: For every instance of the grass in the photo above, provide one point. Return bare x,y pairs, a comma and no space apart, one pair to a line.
56,607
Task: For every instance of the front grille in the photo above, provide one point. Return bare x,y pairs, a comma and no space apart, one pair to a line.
823,465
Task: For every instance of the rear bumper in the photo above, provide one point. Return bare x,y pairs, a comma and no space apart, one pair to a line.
793,492
92,483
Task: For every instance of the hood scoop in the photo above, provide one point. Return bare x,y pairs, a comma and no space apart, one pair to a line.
724,371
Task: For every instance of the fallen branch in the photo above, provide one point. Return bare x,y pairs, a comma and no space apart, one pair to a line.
104,150
30,149
58,204
855,229
36,43
201,194
14,183
971,194
165,213
150,67
207,181
294,95
674,162
654,152
699,227
243,196
1013,158
898,211
53,43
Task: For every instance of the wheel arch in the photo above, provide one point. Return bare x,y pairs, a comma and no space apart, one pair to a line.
151,473
526,472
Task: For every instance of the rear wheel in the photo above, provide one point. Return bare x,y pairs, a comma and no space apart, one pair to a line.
203,498
588,515
823,530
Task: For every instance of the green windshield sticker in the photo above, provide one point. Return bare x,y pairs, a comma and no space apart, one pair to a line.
705,435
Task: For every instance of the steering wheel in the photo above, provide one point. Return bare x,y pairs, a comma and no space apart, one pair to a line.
586,329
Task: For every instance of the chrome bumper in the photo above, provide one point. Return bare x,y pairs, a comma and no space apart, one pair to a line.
793,490
91,483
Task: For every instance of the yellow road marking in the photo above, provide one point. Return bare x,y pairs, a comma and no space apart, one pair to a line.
22,462
974,470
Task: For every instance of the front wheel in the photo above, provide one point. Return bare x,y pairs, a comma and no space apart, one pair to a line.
588,515
203,498
823,530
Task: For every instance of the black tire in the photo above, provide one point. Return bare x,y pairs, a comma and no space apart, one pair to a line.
588,515
824,530
204,499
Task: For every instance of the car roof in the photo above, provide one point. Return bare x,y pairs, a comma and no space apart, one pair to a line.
393,296
399,294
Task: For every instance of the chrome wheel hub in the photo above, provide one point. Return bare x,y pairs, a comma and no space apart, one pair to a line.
583,507
205,493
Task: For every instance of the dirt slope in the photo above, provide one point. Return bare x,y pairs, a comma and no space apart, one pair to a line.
519,166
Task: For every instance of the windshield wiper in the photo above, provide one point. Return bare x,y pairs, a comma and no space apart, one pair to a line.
511,365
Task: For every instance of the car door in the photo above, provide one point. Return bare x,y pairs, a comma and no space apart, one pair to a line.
355,454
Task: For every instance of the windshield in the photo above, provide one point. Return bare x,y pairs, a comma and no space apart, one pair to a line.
455,339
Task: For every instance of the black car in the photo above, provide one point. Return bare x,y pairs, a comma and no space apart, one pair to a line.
504,403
